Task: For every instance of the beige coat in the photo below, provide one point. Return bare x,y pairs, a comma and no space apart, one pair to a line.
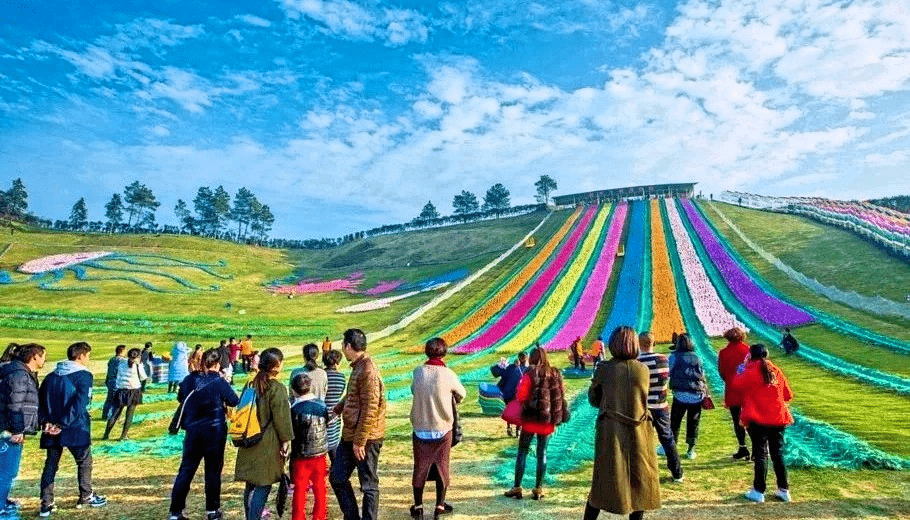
625,464
262,464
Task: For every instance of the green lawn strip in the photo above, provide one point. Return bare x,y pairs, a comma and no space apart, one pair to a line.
831,255
820,254
855,351
646,314
870,376
847,329
871,414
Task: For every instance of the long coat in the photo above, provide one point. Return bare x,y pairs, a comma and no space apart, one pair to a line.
179,367
262,464
625,464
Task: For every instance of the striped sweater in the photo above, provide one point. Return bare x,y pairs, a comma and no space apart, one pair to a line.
333,395
659,370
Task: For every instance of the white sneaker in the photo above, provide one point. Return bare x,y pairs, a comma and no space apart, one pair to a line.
755,496
783,495
680,480
691,454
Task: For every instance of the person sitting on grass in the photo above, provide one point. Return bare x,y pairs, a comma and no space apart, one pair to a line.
130,377
309,417
765,414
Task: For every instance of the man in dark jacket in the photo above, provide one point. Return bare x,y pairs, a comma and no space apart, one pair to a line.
110,380
64,398
509,376
18,416
789,343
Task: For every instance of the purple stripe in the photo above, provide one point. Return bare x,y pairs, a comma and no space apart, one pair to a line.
767,307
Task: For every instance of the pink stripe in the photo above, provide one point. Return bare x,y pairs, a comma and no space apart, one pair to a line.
531,296
584,314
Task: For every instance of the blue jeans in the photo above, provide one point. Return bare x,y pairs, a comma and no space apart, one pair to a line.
254,500
661,419
10,457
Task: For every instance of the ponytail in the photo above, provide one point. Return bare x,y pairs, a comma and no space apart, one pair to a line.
759,353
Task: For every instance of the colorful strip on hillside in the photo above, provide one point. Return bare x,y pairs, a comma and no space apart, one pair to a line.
711,312
477,319
588,306
531,296
768,308
627,300
666,316
560,300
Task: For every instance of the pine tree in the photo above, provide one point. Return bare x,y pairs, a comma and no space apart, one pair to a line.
139,202
205,211
544,186
16,199
187,223
242,210
428,212
497,198
221,207
113,210
79,215
465,202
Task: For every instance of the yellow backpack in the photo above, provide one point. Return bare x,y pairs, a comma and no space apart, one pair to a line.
245,430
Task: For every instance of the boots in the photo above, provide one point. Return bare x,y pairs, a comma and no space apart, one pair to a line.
741,454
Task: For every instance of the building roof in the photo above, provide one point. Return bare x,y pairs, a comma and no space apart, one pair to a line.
686,188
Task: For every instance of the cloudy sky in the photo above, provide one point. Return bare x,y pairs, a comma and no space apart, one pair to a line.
342,115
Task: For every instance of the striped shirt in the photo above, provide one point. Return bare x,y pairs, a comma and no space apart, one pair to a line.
333,395
659,370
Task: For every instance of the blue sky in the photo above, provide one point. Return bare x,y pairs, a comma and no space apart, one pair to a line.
343,115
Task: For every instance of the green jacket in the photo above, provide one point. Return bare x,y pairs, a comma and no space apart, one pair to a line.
262,464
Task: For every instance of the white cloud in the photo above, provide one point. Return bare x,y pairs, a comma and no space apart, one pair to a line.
343,18
160,131
253,20
890,159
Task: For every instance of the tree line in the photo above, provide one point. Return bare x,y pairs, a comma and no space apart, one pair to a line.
215,214
899,203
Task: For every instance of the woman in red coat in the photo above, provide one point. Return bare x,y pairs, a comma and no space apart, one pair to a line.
542,397
728,361
765,392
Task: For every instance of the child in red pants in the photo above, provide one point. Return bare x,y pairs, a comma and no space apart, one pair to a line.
308,449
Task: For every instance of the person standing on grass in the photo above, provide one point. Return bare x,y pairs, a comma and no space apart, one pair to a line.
542,396
309,417
319,382
334,393
687,380
326,345
110,380
765,414
246,352
204,395
659,372
262,464
578,354
130,377
18,415
227,368
147,358
509,376
436,390
363,411
728,361
625,480
64,398
179,367
194,363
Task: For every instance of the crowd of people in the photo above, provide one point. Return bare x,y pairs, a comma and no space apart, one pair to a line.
324,427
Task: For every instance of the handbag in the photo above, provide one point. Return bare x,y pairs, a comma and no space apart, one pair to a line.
512,413
281,498
707,403
456,424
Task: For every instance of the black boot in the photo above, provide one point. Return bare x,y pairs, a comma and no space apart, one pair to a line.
741,454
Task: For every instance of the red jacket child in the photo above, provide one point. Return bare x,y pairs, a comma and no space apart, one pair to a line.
764,404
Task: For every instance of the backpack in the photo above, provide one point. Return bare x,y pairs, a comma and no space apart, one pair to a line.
245,430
